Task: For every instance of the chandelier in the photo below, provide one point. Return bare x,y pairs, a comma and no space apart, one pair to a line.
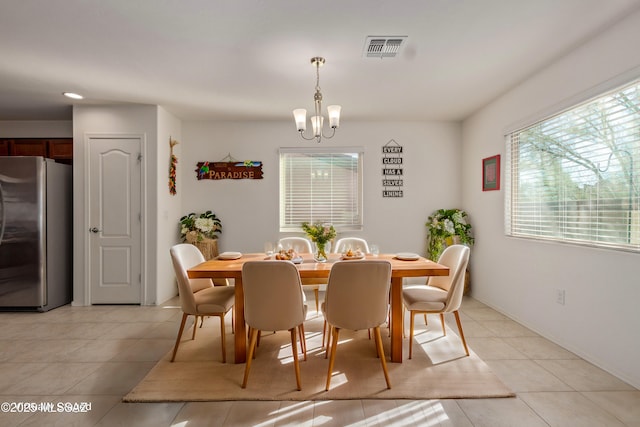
300,114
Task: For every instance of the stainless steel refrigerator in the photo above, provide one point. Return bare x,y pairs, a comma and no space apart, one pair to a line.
35,233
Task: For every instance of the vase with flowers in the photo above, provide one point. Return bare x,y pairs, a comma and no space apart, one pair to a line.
320,234
199,227
446,227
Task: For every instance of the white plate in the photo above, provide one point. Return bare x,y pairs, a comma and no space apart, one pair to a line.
230,255
407,256
297,260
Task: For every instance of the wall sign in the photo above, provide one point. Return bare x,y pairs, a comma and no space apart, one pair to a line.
248,169
392,172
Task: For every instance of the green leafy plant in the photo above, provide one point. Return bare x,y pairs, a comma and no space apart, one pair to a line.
320,234
196,227
443,226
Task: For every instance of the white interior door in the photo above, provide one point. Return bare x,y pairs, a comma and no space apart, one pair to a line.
115,219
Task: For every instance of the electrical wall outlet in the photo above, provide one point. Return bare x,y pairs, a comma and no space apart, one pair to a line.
560,296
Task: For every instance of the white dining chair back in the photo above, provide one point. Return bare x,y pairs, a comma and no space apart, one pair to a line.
273,301
456,257
442,294
353,243
198,297
357,298
298,244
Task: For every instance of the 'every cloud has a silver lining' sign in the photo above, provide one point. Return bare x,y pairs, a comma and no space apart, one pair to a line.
392,172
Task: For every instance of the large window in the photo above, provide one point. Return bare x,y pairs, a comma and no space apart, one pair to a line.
321,184
573,177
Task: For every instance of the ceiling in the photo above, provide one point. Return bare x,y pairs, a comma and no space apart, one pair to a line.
250,59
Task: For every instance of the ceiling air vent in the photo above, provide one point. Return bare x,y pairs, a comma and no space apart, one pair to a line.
383,46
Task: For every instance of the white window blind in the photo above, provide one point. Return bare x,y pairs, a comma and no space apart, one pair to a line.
321,184
574,178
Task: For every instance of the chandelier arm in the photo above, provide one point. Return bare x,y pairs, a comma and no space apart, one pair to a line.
329,136
304,137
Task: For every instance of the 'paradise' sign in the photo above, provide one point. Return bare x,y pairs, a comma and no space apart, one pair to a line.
249,169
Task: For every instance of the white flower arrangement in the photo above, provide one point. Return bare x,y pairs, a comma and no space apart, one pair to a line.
198,227
443,225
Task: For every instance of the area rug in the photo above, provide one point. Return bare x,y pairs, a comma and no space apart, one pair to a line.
439,369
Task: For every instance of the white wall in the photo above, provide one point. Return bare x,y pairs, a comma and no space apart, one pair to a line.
519,277
249,208
36,129
168,207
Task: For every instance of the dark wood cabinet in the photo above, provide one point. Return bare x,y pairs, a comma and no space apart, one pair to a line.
59,149
28,147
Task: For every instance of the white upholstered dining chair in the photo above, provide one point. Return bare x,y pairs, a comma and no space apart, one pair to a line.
273,301
298,244
441,294
353,243
199,297
357,298
303,246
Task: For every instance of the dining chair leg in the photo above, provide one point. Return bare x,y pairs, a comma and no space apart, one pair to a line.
195,327
303,340
411,320
329,337
175,348
334,346
249,329
316,293
324,329
294,350
383,359
233,320
444,330
252,346
464,342
223,338
404,333
425,320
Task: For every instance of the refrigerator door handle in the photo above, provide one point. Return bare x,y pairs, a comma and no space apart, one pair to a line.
2,214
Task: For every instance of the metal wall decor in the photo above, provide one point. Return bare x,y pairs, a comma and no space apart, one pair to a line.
392,172
229,168
173,164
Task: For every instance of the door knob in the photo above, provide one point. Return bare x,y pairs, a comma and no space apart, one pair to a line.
94,230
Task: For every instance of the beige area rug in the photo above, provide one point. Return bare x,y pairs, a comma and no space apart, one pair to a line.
439,369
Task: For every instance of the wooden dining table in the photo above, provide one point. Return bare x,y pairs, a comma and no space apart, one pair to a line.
309,268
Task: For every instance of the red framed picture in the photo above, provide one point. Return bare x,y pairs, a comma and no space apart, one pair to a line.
491,173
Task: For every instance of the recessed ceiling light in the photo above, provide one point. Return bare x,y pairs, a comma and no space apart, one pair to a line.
72,95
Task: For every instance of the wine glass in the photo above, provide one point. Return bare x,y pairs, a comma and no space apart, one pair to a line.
375,250
268,248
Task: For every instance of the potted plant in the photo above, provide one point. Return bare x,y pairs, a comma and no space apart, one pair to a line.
446,227
196,228
320,234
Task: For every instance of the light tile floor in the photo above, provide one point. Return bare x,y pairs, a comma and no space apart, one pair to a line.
97,354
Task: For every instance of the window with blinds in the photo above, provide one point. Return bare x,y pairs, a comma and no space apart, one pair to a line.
322,184
573,177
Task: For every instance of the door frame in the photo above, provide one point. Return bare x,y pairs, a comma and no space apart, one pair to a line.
143,211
